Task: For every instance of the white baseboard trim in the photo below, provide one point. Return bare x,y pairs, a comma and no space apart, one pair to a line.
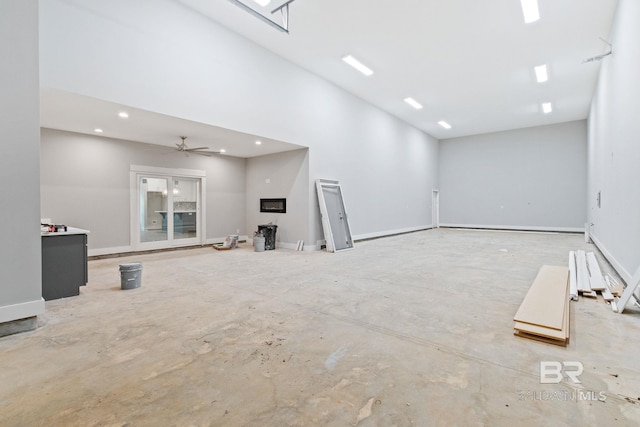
516,228
390,232
219,240
624,274
124,249
292,246
109,251
285,245
9,313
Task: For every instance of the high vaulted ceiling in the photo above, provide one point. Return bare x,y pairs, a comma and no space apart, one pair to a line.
468,62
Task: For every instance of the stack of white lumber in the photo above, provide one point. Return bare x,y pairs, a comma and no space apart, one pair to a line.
544,312
590,282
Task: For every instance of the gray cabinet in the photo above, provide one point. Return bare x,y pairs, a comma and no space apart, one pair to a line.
64,265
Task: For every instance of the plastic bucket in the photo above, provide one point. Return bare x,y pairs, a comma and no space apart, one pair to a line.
258,243
130,275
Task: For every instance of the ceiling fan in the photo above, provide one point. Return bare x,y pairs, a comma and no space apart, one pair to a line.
196,150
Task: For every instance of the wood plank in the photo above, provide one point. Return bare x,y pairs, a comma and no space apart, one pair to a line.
544,303
540,330
562,343
616,288
607,295
573,279
582,272
596,281
548,332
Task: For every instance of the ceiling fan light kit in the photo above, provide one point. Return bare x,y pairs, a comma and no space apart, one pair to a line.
196,150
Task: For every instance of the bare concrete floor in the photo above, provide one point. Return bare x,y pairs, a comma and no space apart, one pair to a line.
407,330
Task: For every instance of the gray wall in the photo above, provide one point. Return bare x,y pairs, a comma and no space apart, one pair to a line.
85,184
20,253
614,145
533,178
121,52
276,176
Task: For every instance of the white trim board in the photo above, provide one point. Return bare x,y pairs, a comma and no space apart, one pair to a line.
9,313
515,228
629,291
191,173
631,281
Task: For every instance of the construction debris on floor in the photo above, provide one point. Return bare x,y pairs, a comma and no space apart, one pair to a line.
544,312
589,281
230,242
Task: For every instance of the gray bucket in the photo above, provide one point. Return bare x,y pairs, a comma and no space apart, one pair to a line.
130,275
258,243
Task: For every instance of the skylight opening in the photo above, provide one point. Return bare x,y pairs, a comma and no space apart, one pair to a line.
415,104
530,10
541,73
358,65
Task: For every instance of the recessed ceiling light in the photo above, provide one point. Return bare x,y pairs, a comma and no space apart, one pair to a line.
415,104
98,130
358,65
546,107
123,114
530,10
222,150
262,3
541,73
258,142
444,124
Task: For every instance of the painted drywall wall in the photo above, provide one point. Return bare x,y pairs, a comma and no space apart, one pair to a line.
20,253
284,175
85,184
533,178
614,147
161,56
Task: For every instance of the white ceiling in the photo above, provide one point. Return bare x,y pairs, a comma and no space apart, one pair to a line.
469,62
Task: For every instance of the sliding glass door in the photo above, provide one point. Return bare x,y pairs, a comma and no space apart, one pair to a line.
154,204
185,209
168,211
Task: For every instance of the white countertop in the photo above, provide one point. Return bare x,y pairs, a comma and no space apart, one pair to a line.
70,230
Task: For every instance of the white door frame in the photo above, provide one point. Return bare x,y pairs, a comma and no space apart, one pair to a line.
325,214
135,171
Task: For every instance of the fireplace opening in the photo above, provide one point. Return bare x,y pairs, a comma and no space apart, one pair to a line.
273,205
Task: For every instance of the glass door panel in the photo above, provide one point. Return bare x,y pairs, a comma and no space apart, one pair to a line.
154,209
185,208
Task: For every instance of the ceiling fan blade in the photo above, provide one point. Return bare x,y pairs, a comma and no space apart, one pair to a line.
196,148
